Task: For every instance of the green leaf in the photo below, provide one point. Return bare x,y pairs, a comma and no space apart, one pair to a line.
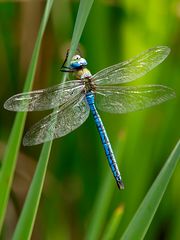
100,209
10,157
104,197
113,224
26,222
145,213
82,15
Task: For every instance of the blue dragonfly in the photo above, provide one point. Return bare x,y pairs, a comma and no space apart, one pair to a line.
74,99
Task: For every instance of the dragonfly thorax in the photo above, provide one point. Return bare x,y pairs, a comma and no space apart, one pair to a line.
82,73
78,64
89,85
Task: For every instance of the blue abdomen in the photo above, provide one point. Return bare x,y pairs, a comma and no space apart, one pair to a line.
105,140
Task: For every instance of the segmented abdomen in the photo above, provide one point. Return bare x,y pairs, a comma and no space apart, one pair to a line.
105,140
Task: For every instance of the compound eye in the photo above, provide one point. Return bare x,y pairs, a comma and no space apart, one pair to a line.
76,57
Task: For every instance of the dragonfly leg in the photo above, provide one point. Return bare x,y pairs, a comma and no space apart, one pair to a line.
66,69
63,67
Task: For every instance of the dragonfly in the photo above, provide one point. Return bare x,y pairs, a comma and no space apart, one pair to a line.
73,100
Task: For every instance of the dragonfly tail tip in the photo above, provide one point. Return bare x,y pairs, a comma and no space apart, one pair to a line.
120,184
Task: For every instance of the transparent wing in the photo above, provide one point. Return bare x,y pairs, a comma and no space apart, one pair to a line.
59,123
129,99
44,99
132,69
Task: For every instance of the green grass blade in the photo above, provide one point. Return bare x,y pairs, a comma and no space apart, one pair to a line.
100,210
27,218
9,161
26,222
145,213
82,15
103,200
113,224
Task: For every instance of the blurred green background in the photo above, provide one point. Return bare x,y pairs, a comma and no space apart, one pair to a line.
115,31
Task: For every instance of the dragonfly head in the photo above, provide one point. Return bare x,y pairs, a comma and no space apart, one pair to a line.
77,62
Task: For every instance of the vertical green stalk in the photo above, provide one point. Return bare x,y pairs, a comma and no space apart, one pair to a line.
113,224
82,15
146,211
103,200
26,222
10,157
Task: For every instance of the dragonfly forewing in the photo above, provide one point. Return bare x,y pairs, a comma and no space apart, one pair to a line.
59,123
44,99
131,98
132,69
